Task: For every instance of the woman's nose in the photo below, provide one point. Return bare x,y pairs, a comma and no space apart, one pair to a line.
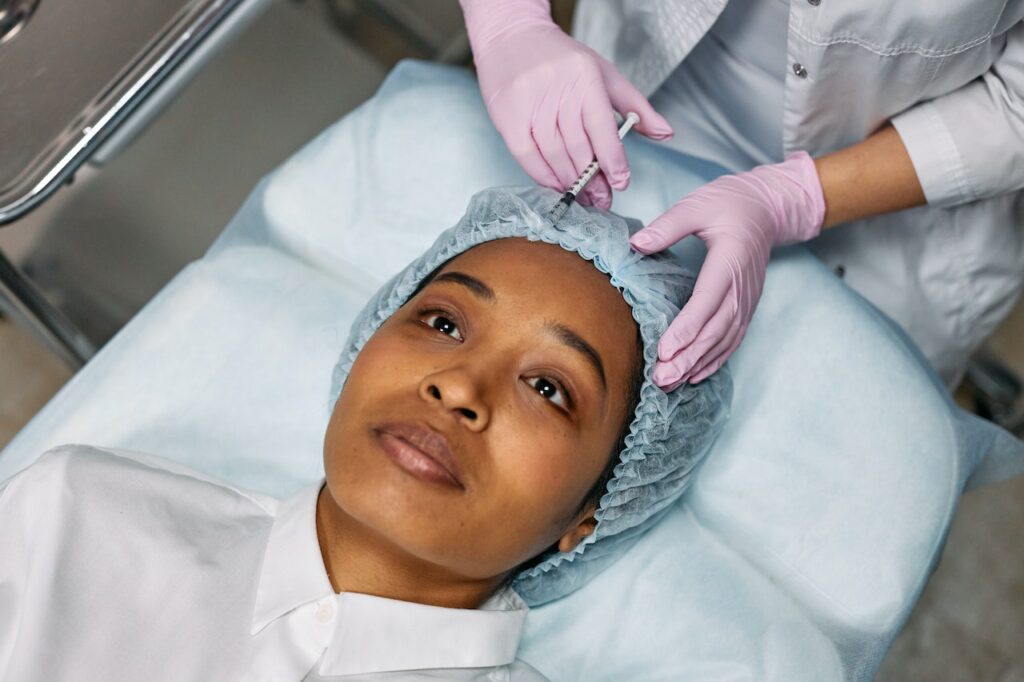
457,393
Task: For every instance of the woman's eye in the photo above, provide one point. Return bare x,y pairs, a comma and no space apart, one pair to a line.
550,390
444,325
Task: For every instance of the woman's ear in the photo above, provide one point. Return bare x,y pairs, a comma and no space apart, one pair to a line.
581,527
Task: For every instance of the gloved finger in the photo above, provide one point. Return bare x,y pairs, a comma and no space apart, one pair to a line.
600,192
716,352
708,371
668,374
578,146
710,335
524,150
711,369
753,285
713,354
625,98
670,227
681,365
599,122
548,134
709,294
671,386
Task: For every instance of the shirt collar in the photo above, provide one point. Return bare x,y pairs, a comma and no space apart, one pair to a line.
293,570
374,634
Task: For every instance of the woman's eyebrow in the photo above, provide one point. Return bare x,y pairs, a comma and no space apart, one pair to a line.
472,283
576,342
567,336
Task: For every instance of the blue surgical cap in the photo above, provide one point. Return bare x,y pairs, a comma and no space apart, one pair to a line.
670,433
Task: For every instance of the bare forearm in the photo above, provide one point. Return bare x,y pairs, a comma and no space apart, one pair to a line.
868,178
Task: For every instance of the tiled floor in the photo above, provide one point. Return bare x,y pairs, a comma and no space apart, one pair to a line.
969,624
29,376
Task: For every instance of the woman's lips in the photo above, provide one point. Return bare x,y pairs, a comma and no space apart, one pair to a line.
421,451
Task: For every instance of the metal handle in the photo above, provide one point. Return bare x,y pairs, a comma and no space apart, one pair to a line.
14,14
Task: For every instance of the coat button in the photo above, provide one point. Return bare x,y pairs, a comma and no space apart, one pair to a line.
813,3
799,70
324,613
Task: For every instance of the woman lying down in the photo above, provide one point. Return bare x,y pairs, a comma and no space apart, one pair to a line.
495,442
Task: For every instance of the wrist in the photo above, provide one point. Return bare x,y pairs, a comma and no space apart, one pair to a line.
491,20
800,210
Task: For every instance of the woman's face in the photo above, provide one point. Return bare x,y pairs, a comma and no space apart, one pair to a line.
477,417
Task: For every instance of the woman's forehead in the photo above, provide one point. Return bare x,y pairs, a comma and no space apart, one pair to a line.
513,257
540,275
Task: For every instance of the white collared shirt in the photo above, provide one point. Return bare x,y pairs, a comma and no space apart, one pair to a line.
120,566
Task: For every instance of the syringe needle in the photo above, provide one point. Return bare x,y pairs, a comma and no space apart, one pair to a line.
587,175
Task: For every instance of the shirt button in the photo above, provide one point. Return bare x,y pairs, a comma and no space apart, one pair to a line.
799,70
324,613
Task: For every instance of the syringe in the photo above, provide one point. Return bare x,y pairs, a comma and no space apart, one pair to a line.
587,175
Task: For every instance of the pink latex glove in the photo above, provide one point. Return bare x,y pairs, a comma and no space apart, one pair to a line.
740,218
552,98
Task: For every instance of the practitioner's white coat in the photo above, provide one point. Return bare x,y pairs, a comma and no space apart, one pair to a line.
949,74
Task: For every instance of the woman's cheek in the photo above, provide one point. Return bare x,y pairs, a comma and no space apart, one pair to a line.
389,359
382,344
547,467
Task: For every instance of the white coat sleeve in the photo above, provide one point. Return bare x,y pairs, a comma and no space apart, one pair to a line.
969,144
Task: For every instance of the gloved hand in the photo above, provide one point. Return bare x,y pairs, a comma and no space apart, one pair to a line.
552,98
740,218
